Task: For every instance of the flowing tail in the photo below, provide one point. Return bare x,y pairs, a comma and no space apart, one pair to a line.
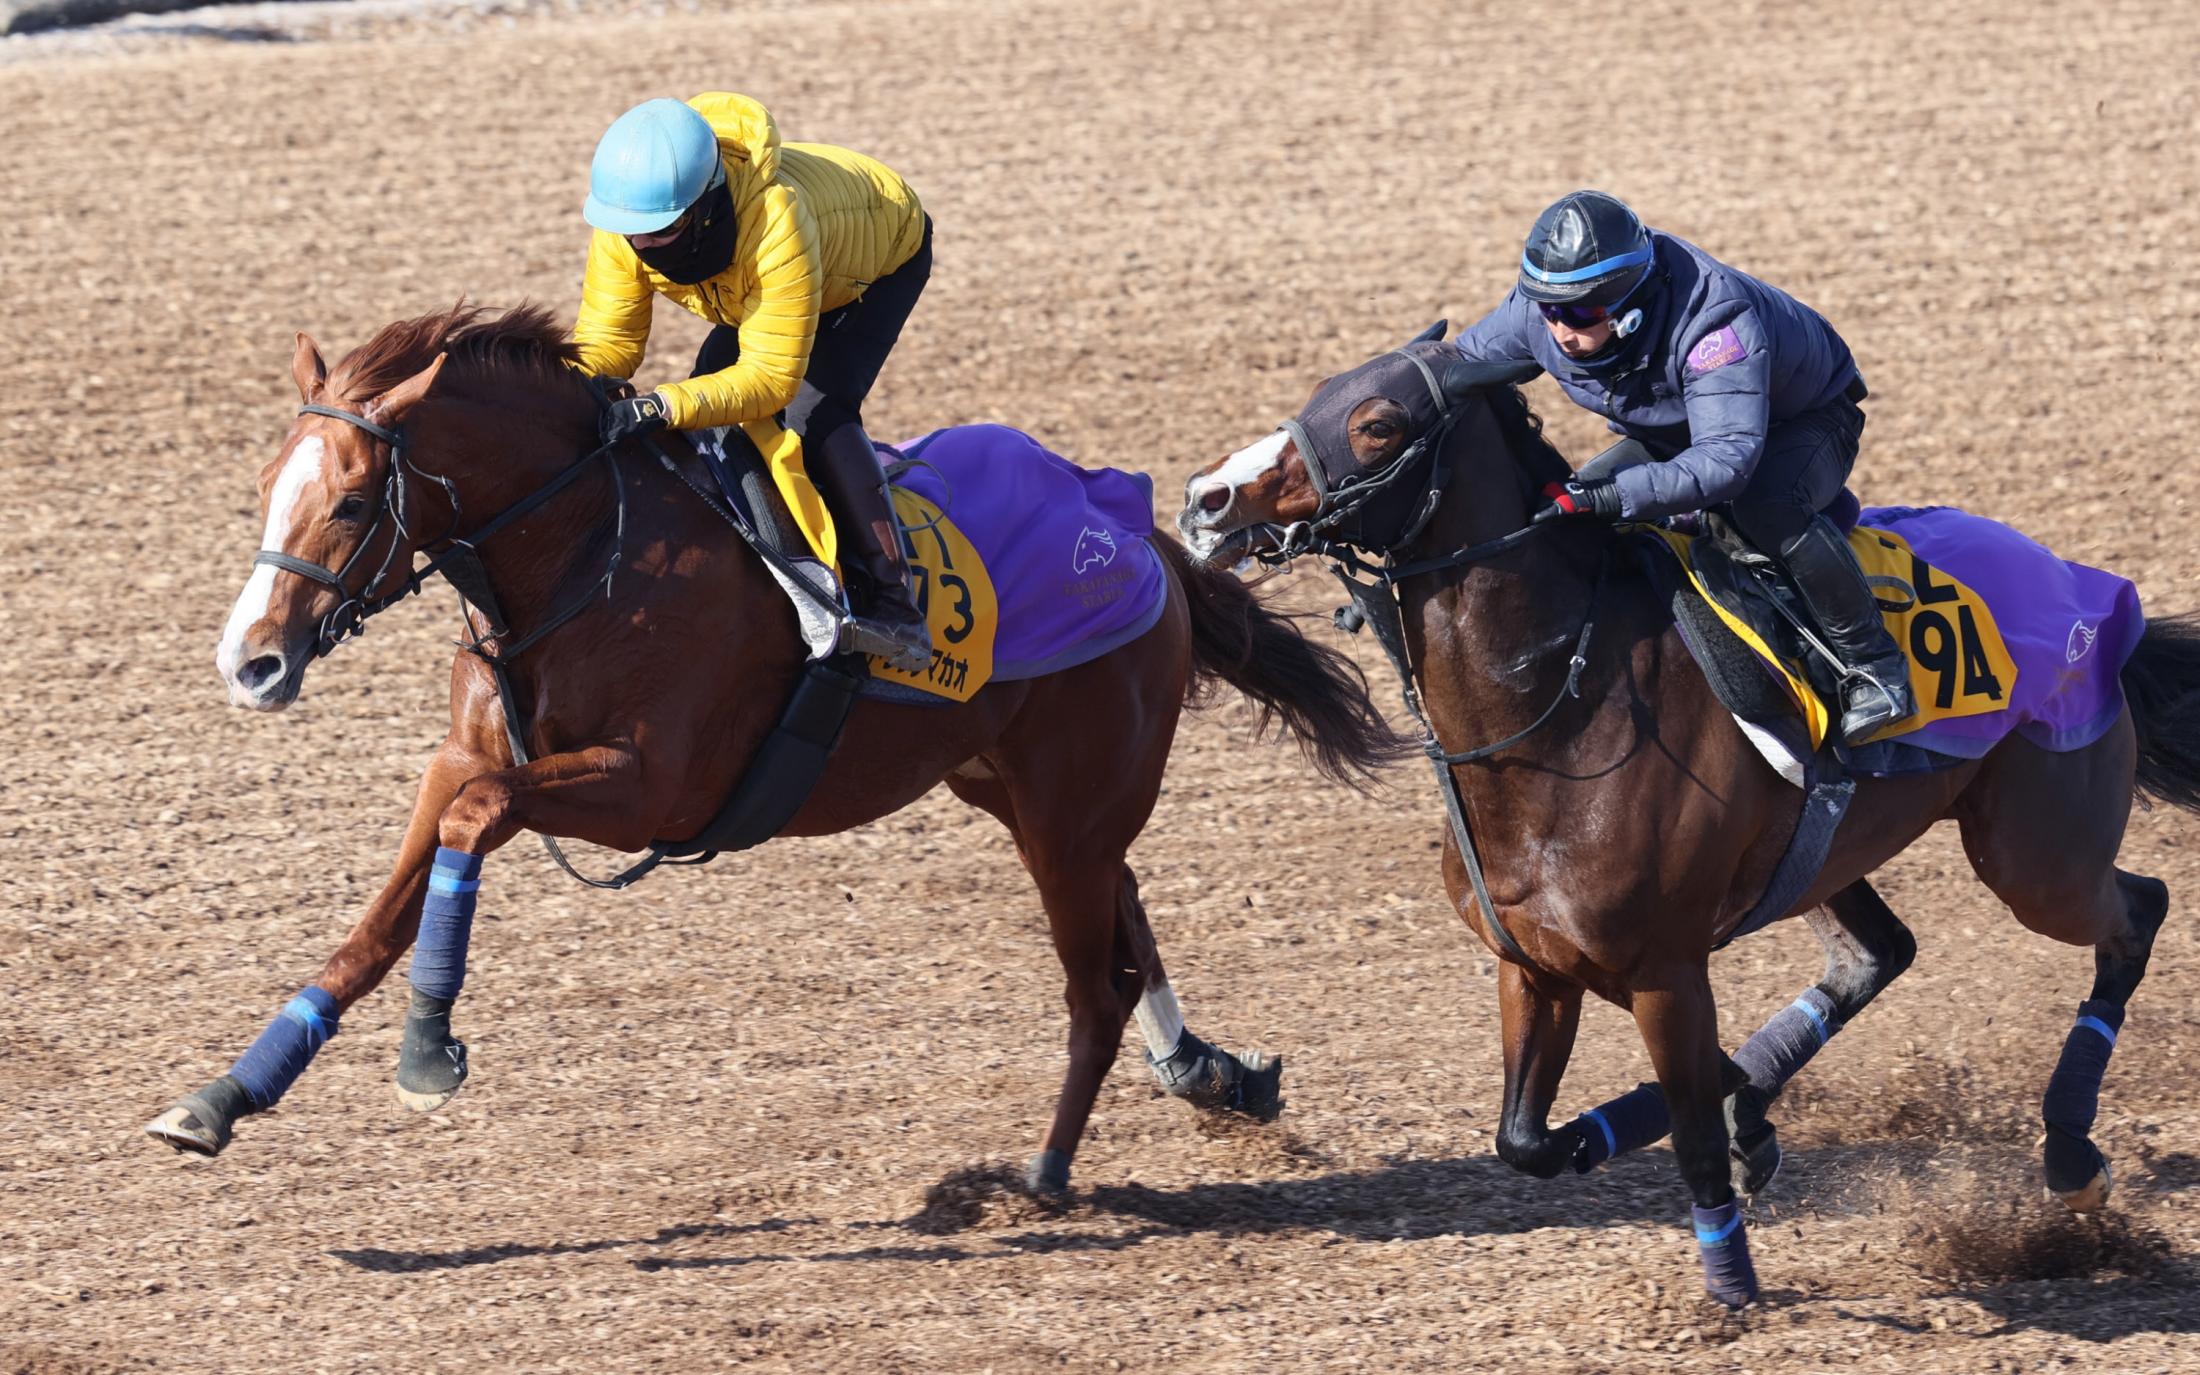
2162,685
1317,693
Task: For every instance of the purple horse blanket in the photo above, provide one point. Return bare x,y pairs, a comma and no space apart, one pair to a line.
1065,547
2004,635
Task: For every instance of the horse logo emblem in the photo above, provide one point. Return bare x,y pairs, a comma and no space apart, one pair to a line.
2081,641
1094,549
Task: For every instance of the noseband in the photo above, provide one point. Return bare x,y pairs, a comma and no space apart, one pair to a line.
459,559
353,608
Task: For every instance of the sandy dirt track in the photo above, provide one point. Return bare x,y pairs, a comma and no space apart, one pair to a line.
741,1117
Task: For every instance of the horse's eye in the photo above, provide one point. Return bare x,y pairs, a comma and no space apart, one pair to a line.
351,507
1378,429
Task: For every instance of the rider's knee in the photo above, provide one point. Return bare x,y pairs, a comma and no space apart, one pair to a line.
1771,524
815,414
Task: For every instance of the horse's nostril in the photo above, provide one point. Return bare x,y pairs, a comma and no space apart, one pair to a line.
261,671
1214,499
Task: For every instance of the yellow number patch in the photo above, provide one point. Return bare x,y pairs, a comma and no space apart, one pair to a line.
1958,663
957,597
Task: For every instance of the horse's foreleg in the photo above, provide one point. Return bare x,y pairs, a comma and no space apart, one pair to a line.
595,792
1538,1020
1680,1026
1867,948
1187,1067
203,1122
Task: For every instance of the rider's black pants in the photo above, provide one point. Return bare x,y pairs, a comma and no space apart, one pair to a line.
852,344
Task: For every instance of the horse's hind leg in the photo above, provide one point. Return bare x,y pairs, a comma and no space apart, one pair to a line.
1867,948
1187,1067
1114,971
2042,830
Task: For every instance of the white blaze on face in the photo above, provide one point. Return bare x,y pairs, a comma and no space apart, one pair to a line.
1204,520
303,465
1249,463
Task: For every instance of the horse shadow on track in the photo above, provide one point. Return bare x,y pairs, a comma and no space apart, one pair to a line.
2097,1311
984,1213
404,1262
990,1215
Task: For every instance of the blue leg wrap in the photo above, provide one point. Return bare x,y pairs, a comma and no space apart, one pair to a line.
1724,1242
1771,1057
1785,1044
1628,1123
2073,1095
446,924
273,1063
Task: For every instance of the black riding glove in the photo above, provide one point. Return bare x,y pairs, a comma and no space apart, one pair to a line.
1595,498
635,415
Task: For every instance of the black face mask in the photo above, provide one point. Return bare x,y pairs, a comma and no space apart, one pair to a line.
705,248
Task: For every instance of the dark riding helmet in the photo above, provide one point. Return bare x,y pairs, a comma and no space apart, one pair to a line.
1588,249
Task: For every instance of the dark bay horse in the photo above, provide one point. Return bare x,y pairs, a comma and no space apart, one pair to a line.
1632,826
644,709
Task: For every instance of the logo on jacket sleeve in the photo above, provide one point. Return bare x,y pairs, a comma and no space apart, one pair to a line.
1715,350
1095,549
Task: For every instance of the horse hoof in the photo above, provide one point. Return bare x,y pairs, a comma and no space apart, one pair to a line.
1259,1090
2093,1196
183,1129
1756,1163
431,1068
1735,1296
1048,1174
424,1102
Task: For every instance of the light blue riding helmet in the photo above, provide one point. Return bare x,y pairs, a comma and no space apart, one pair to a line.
654,162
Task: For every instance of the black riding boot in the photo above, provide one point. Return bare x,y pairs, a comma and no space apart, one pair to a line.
845,468
1875,686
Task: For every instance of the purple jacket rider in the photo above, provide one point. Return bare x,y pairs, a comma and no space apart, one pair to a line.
1719,357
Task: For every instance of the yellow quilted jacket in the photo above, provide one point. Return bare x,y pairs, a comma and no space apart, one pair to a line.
815,226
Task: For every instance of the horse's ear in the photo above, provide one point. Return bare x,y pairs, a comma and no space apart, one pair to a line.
392,405
307,369
1459,377
1431,334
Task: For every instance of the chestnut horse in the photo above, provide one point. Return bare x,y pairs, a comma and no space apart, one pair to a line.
644,708
1624,823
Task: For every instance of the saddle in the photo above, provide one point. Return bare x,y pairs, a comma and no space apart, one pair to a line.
1753,634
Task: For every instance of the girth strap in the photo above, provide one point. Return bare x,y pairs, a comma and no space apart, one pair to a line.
777,781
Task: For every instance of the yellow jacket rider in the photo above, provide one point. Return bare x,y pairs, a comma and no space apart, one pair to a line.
807,259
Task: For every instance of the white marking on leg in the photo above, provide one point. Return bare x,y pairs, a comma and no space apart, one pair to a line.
1160,1020
303,465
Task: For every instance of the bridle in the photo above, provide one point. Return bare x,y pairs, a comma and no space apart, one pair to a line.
1373,589
459,561
353,608
1349,496
459,557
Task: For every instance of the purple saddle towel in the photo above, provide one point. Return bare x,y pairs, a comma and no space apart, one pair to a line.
1065,546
